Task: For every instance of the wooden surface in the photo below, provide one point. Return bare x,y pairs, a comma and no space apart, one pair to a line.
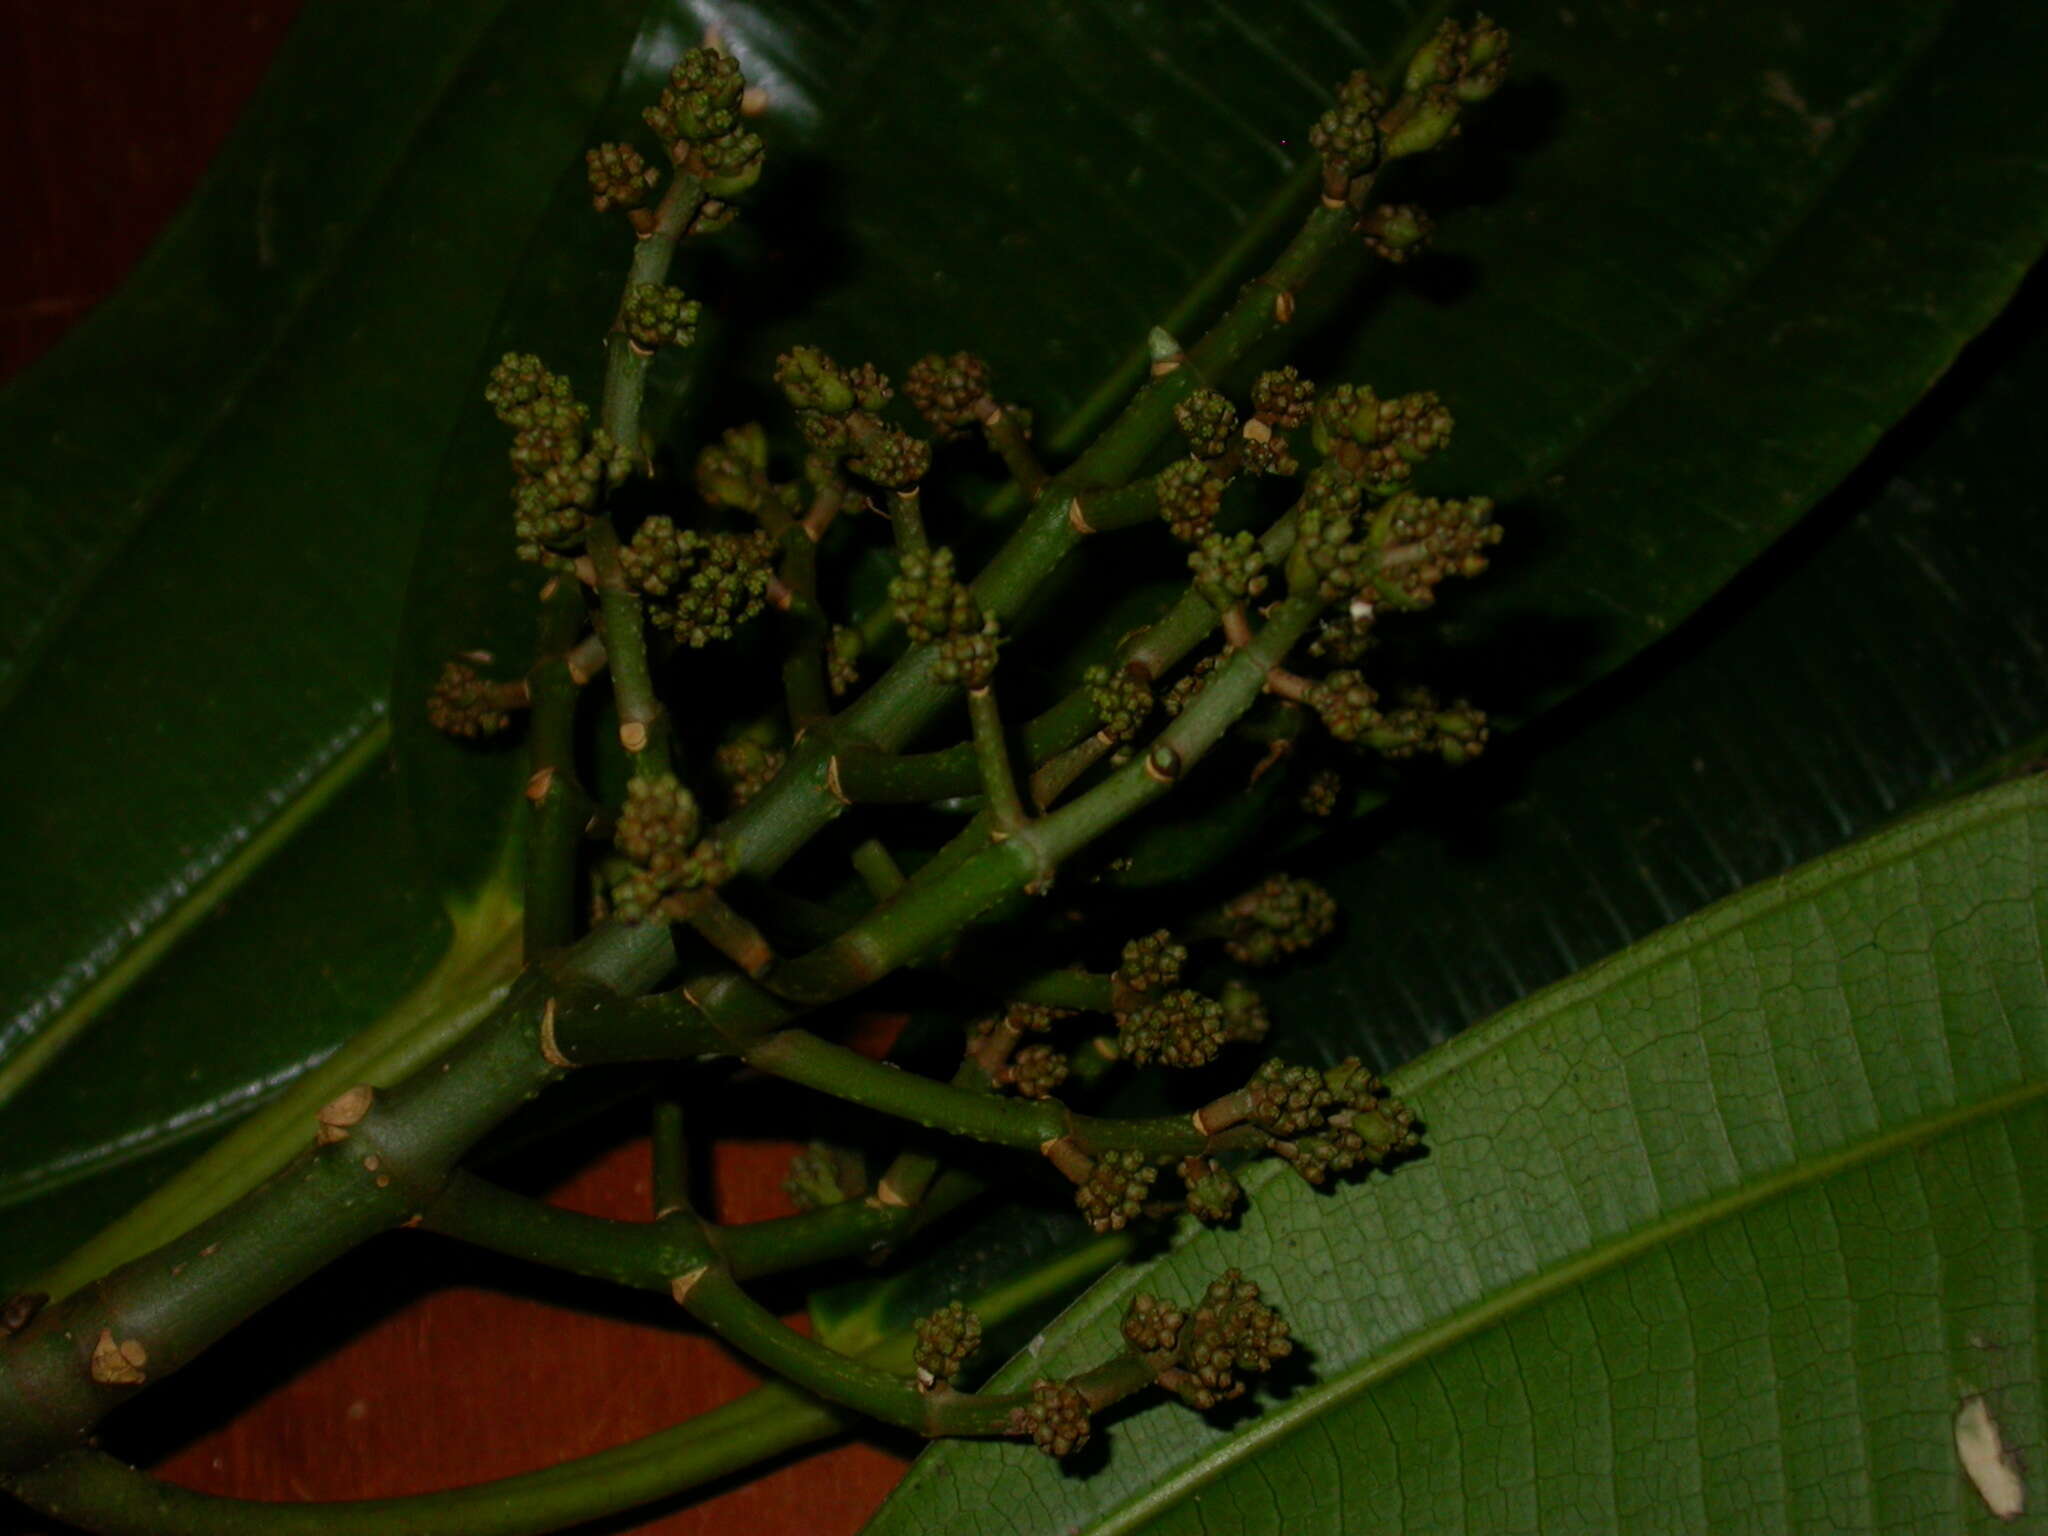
411,1365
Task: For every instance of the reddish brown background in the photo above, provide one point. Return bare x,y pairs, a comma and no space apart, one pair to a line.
402,1371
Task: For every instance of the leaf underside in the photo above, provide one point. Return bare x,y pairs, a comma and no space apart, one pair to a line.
1723,1234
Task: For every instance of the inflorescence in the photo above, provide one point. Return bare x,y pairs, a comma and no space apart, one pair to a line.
1361,537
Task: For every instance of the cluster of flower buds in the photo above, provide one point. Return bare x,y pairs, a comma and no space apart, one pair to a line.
1228,570
1113,1192
1056,1420
1190,494
657,832
620,177
748,764
1460,64
464,703
1122,700
1279,917
558,471
946,1341
732,473
657,315
1205,1354
839,413
1227,1336
698,120
1379,443
1208,421
702,586
1181,1028
935,606
1320,1121
1151,962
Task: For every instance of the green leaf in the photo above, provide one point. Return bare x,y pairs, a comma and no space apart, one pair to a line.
1723,1234
211,492
1890,651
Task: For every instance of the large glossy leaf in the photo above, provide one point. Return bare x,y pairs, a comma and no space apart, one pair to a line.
193,1051
1893,650
1731,1232
212,492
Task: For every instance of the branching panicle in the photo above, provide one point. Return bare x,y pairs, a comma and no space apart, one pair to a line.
1206,683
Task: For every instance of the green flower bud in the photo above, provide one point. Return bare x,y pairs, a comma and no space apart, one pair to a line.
657,831
1120,699
1181,1029
1151,962
1320,798
1113,1194
465,704
946,390
701,100
1228,571
1346,705
823,1175
1278,917
1229,1335
1288,1101
1190,494
1056,1420
1152,1326
892,458
946,1340
1207,420
1213,1191
656,315
1395,231
930,603
1036,1072
811,381
733,472
619,177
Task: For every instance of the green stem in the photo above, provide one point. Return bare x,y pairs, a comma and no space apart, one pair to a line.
1007,438
798,1056
924,914
649,1255
1084,991
643,723
669,1150
804,682
767,1422
877,870
717,1300
119,1501
1059,774
625,367
992,759
559,804
1126,506
906,522
727,931
394,1150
